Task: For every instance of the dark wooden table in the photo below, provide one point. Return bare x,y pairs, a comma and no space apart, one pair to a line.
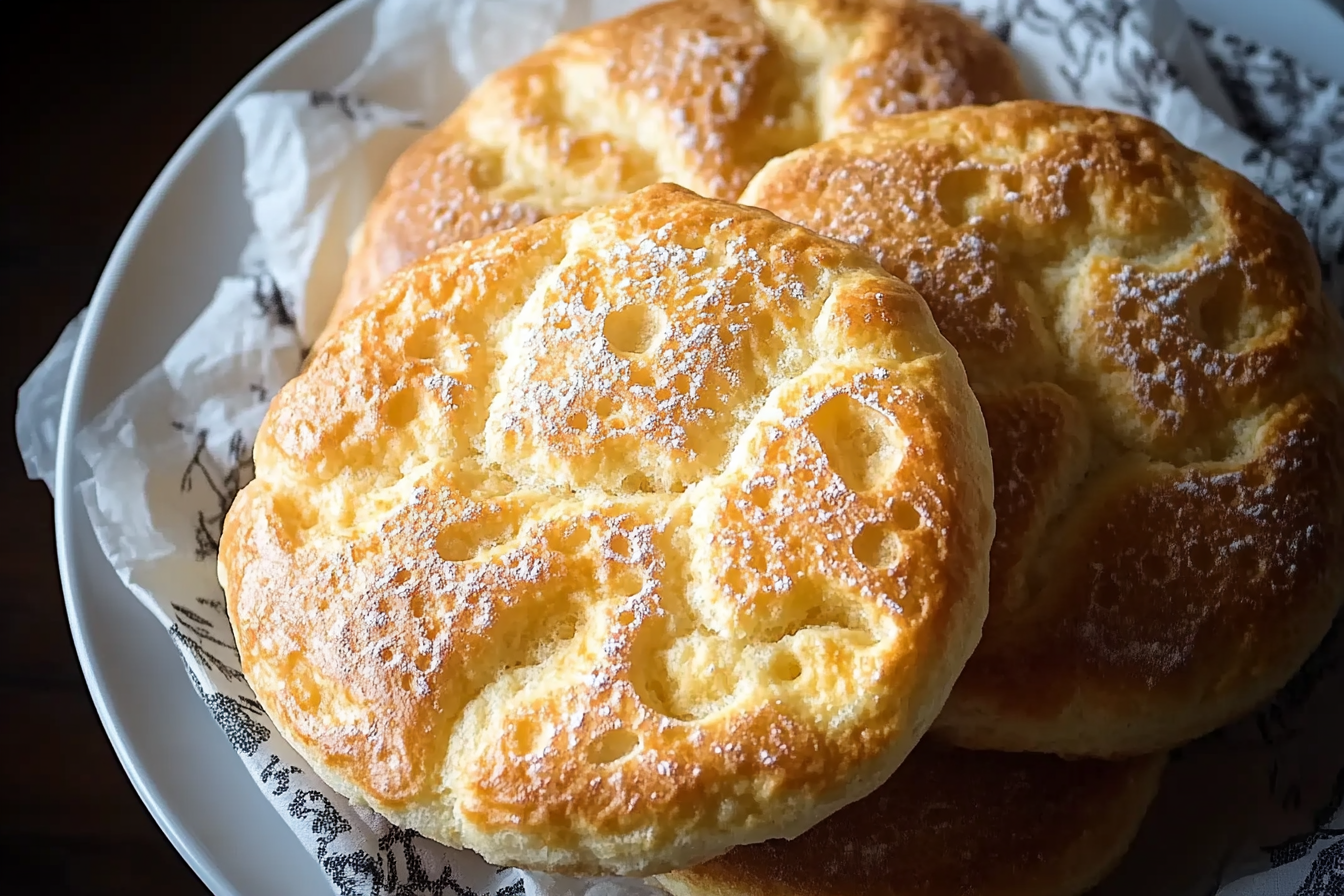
73,74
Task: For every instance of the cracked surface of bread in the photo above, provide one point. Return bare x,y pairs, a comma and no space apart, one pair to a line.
953,822
608,543
1161,380
696,92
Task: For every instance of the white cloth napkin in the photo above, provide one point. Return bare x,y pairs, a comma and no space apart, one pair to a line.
1253,809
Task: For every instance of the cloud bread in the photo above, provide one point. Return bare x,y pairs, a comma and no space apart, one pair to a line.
608,543
1161,380
696,92
954,822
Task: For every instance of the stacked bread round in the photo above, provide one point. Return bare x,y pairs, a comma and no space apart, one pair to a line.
1161,379
608,543
701,93
614,528
952,822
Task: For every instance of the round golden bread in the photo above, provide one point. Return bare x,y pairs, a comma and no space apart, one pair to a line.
1162,384
608,543
954,822
696,92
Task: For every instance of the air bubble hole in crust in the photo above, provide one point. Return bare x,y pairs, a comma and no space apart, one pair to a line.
1199,557
957,191
811,605
656,683
612,746
470,539
910,81
401,408
485,168
454,547
636,483
905,516
1218,311
525,733
628,584
877,546
861,444
422,344
1156,568
632,330
785,667
566,629
569,541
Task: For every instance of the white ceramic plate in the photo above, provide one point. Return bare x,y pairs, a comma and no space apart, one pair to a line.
162,272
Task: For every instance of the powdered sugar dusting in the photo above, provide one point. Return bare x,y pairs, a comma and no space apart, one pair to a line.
602,362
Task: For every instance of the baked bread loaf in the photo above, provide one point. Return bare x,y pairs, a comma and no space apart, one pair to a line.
608,543
1161,380
696,92
954,822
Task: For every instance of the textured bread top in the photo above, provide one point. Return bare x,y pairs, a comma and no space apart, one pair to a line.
954,822
1161,381
605,544
696,92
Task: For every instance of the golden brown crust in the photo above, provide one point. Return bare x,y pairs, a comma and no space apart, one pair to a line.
953,822
605,544
696,92
1161,380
